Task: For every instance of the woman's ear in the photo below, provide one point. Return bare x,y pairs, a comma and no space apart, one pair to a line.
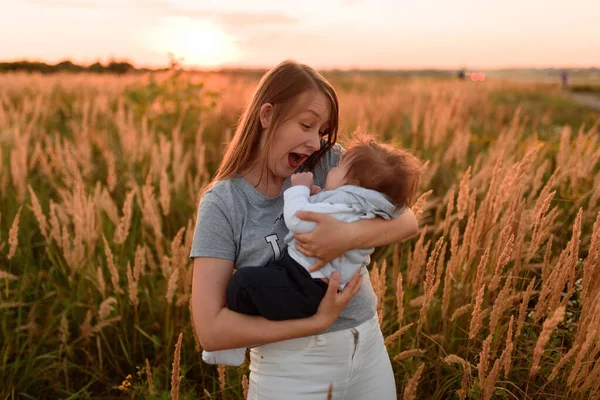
266,113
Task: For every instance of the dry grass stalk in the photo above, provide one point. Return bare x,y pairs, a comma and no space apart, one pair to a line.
400,298
86,327
419,204
463,194
537,237
591,269
410,391
100,282
459,311
245,386
565,270
175,375
466,241
392,338
132,286
165,192
428,286
565,359
509,346
330,392
447,288
381,291
584,374
106,308
538,179
103,324
501,304
492,378
477,316
111,177
484,358
222,382
139,263
125,222
149,378
449,209
418,259
546,264
54,222
407,354
7,276
582,353
151,215
591,378
523,307
172,286
464,384
39,214
13,235
440,267
481,268
547,328
114,273
395,262
454,359
502,261
63,330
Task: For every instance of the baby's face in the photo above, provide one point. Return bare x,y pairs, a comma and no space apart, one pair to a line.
337,176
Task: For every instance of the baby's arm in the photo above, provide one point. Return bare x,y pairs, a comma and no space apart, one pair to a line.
296,199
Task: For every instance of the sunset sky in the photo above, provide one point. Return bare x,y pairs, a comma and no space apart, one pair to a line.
322,33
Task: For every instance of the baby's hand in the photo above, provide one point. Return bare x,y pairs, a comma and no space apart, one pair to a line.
303,178
315,189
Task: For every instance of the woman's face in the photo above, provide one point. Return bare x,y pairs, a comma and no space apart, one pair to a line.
299,136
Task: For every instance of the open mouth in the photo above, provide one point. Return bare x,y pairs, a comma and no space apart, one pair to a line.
295,159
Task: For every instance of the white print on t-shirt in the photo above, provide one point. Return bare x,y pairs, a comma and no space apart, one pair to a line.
273,239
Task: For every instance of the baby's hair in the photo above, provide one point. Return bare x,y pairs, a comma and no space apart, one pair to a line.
392,171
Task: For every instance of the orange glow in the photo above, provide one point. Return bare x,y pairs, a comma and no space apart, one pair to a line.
200,43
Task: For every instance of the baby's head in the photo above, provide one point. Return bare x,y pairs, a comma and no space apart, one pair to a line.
381,167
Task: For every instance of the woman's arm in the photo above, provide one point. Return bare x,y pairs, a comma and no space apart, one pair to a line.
217,327
332,238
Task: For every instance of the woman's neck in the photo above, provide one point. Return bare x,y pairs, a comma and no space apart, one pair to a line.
265,182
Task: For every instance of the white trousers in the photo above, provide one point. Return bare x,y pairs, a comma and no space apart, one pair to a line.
355,361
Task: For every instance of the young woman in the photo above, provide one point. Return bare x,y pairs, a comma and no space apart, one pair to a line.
291,123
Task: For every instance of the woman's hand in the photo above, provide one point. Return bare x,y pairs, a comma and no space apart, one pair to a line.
330,239
334,302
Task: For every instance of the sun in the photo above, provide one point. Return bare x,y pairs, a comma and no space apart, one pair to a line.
200,43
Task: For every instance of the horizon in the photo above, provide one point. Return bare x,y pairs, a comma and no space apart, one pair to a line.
266,68
380,35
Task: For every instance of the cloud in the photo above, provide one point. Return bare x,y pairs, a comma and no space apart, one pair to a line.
349,3
226,18
65,3
161,8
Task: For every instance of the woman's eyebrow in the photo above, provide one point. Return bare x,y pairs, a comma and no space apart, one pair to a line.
315,113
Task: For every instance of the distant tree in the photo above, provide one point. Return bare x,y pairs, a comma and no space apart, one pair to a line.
68,66
96,68
120,67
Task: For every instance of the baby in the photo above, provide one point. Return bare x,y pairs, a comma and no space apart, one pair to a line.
372,180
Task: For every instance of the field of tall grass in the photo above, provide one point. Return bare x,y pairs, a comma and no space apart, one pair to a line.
100,176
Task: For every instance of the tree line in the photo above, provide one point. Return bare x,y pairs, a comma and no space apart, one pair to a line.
112,67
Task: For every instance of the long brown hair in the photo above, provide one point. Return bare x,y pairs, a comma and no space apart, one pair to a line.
282,87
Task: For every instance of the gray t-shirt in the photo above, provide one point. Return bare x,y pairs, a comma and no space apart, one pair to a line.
237,222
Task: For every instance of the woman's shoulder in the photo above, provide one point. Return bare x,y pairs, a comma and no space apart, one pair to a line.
222,191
